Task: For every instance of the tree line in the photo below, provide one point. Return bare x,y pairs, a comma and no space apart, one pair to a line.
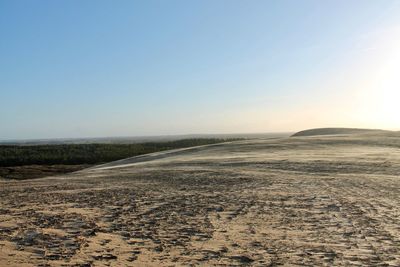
73,154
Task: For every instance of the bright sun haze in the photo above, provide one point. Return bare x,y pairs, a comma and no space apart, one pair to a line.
123,68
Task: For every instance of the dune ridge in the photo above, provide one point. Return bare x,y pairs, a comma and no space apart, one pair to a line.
336,131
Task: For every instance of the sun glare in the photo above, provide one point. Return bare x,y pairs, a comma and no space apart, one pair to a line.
384,94
390,90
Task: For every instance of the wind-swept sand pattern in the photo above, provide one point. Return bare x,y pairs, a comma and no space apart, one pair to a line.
315,201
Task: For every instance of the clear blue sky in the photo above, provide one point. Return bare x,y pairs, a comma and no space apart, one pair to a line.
123,68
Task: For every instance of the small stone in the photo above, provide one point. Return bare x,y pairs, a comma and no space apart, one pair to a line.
242,259
109,256
53,256
96,256
158,249
132,258
219,209
89,232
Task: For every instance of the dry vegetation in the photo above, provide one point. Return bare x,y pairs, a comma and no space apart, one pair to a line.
314,201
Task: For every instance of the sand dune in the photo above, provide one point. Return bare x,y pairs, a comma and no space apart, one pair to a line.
315,201
336,131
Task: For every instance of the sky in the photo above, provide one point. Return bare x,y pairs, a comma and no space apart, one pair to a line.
132,68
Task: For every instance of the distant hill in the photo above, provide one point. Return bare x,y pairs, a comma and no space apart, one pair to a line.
333,131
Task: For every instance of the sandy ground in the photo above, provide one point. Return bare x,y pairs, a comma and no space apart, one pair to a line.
315,201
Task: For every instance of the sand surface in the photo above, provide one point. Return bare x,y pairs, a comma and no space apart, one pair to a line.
304,201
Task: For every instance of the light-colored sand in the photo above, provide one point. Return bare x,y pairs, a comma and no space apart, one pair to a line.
314,201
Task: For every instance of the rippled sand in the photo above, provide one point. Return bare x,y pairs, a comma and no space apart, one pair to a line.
316,201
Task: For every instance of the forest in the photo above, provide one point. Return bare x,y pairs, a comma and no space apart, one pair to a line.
76,154
36,161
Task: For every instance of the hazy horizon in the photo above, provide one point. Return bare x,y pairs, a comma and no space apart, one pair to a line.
73,69
148,137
